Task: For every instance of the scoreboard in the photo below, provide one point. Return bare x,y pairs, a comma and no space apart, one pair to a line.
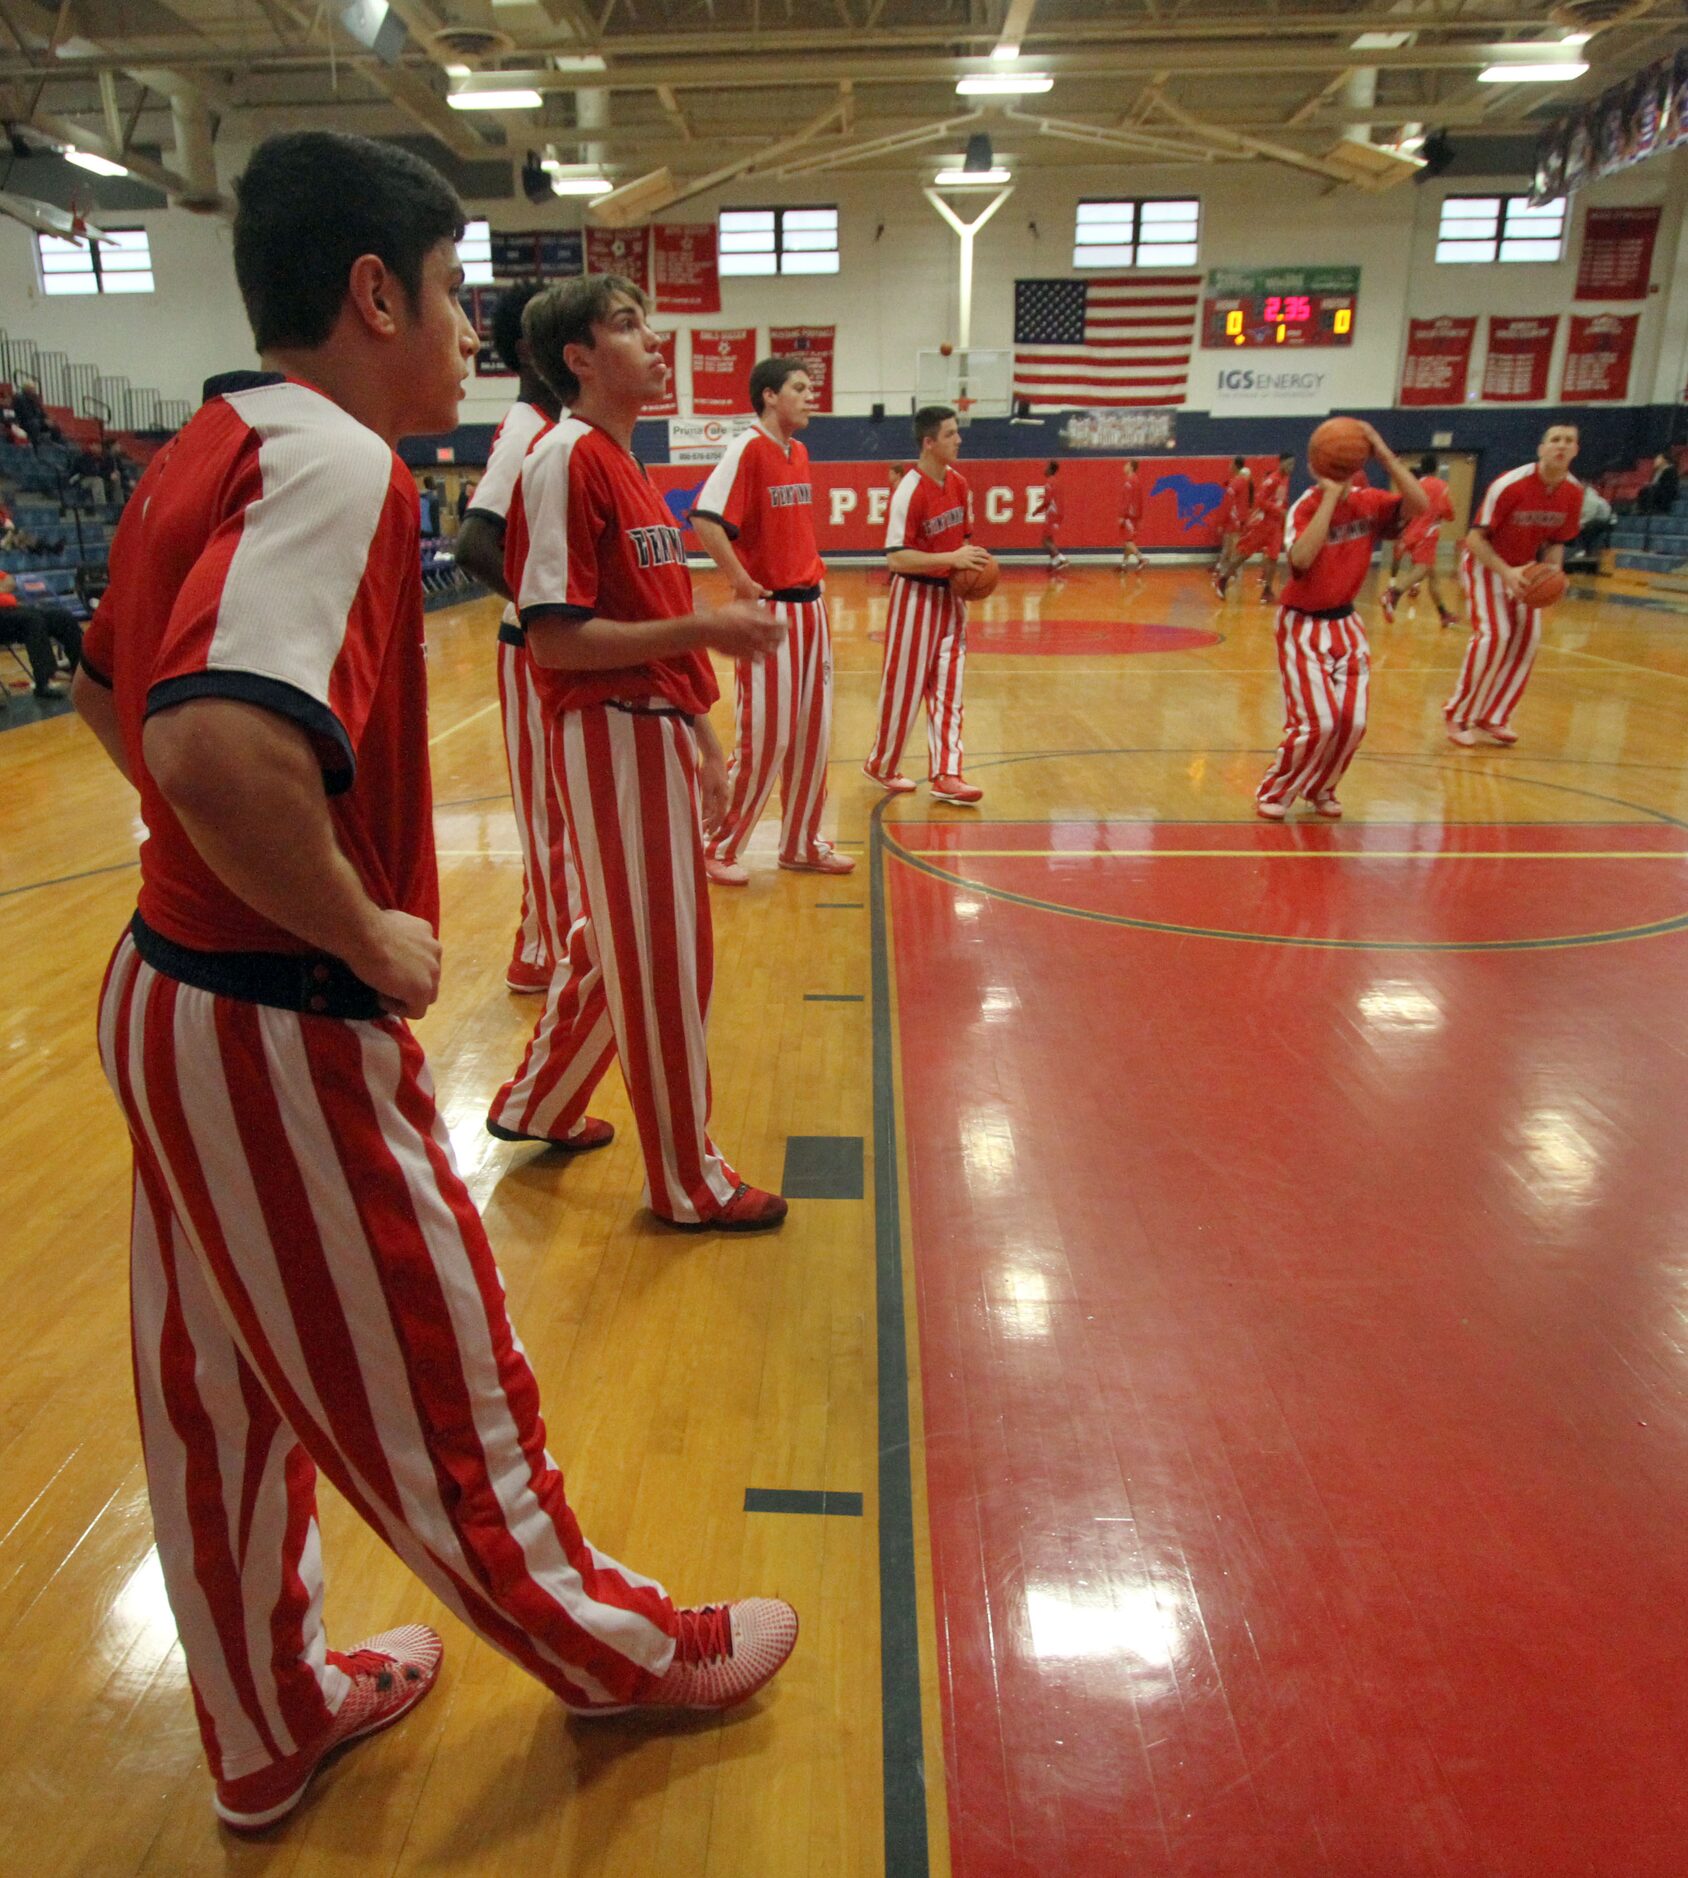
1283,306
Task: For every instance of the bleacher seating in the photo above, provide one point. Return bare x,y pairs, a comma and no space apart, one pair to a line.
1655,544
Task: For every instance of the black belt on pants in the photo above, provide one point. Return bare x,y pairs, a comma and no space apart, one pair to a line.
1318,612
922,580
796,596
634,708
314,983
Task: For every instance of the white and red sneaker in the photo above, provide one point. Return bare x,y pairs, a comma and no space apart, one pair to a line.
1271,811
591,1133
389,1674
525,978
1328,807
892,785
1466,739
1497,733
725,873
1386,601
824,860
956,789
722,1656
751,1209
1216,583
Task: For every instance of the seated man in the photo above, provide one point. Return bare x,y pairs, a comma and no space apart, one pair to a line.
29,617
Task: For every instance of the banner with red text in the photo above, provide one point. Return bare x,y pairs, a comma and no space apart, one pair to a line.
1616,262
1438,361
670,406
1520,351
685,272
623,251
814,345
1597,359
722,358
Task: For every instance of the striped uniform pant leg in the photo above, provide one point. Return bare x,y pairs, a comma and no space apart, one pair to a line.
803,775
761,733
319,1234
1309,713
630,782
1510,673
1485,650
1346,664
539,818
910,627
943,685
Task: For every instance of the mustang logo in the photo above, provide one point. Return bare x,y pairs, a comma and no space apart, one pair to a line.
1196,501
680,502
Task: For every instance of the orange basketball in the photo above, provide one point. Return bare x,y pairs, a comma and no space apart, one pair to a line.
976,583
1543,585
1338,448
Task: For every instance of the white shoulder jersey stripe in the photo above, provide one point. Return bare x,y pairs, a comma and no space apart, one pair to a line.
1486,512
897,524
545,504
717,490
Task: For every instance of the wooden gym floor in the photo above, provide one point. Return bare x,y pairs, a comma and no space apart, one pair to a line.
1258,1347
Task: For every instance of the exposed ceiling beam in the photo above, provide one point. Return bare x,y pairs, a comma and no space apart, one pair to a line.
890,144
759,159
97,144
1146,145
1255,146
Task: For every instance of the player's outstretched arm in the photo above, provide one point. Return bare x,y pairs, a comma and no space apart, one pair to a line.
1413,499
739,629
95,707
480,553
246,785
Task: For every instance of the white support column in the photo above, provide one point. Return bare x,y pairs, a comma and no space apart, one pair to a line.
966,233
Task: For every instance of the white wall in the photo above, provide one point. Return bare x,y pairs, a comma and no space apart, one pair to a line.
896,291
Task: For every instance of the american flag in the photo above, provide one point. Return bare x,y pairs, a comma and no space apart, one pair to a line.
1109,340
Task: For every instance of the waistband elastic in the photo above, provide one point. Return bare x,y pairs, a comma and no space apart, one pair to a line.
511,635
922,580
1318,612
641,707
796,596
313,983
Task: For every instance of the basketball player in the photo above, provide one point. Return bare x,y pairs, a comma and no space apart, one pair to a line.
599,574
1323,657
1417,547
926,540
1052,520
1264,533
1234,510
545,919
1130,514
312,1286
1527,515
755,518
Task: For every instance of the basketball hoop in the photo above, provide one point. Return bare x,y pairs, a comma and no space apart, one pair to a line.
964,404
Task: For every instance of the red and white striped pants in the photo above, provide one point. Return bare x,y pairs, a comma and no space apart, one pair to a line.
1325,665
312,1288
550,885
782,722
1498,656
925,658
640,965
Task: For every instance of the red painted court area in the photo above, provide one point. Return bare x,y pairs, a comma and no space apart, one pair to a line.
1303,1351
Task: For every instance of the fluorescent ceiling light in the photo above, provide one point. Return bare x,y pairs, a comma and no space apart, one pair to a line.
1007,50
578,62
966,179
1530,74
581,185
1003,85
1380,42
101,166
457,71
494,100
1575,39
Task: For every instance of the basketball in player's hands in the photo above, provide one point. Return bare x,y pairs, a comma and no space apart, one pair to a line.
975,583
1338,448
1543,584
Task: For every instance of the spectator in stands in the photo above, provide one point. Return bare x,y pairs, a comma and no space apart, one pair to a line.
90,471
1659,497
32,414
462,504
430,496
16,539
37,629
1596,534
120,473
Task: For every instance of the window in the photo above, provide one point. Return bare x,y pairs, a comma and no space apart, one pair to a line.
121,262
779,241
475,252
1159,233
1500,228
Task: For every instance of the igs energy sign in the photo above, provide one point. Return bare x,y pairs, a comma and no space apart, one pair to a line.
1260,388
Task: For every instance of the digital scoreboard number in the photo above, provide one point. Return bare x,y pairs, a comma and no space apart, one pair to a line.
1280,307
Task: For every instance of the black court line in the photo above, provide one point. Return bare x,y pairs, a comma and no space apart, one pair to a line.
63,880
823,1167
902,1749
800,1500
832,997
838,906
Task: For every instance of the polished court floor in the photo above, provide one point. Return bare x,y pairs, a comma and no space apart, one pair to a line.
1256,1339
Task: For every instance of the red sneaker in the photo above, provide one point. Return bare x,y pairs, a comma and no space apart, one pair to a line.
591,1133
749,1210
892,785
1386,600
1216,583
722,1656
825,860
520,976
390,1674
955,789
725,873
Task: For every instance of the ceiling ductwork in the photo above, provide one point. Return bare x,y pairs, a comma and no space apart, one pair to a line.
468,45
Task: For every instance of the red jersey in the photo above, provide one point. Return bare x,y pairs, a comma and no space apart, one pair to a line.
1239,500
761,495
934,518
1363,517
590,538
1131,498
524,424
1521,513
271,554
1427,526
1051,506
1271,499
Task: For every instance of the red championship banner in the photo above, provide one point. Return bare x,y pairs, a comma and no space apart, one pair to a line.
814,345
623,251
685,271
670,406
1617,253
1438,361
722,358
1520,352
1598,357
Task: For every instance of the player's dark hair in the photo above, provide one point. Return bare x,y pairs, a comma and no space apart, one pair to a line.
1052,469
1425,466
309,205
1131,462
770,375
507,320
1238,462
929,420
1563,423
1286,456
564,315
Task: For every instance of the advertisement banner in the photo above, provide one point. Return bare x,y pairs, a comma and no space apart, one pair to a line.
623,251
1617,253
1520,351
1598,356
722,358
670,406
1271,387
1438,361
686,273
704,439
814,345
